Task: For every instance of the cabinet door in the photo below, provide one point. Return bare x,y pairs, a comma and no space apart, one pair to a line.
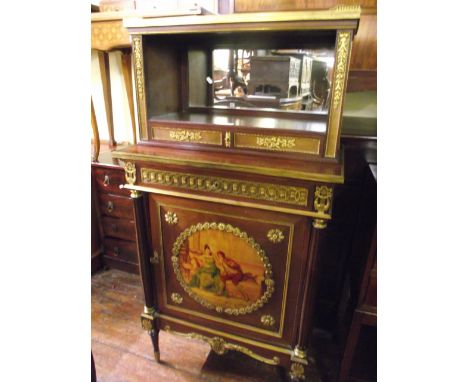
229,268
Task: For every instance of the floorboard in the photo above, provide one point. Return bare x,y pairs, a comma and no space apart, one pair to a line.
123,352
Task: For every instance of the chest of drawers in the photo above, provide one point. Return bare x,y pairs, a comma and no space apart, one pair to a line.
116,218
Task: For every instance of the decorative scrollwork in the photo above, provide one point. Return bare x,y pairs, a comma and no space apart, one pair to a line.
276,143
297,371
322,200
146,323
177,298
267,320
275,235
180,135
225,186
220,346
340,68
171,218
138,60
268,274
130,173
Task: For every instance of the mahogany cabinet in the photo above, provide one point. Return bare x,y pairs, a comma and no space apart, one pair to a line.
116,222
232,190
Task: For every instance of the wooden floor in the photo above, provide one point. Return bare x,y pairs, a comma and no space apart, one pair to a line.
123,352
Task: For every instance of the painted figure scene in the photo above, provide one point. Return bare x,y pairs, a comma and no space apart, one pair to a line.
222,268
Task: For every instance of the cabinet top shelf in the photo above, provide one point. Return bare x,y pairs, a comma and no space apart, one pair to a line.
339,17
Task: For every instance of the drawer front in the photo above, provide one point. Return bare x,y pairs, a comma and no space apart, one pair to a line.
121,250
119,228
117,206
229,266
109,180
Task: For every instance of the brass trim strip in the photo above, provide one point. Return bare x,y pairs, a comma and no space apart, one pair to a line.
233,187
226,335
340,12
241,28
213,199
328,178
219,346
343,52
137,46
279,333
277,143
119,15
202,137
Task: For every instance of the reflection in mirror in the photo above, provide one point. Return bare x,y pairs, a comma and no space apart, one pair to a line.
282,79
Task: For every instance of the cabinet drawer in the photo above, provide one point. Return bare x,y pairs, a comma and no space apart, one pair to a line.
109,180
121,250
119,228
117,206
229,266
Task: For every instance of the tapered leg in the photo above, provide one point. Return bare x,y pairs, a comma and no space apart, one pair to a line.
155,339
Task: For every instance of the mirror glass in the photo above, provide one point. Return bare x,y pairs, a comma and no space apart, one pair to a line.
280,79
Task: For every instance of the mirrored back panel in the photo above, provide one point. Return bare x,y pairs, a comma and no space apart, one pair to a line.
269,79
243,80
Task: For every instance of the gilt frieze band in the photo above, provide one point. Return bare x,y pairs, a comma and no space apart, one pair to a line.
277,143
205,137
252,190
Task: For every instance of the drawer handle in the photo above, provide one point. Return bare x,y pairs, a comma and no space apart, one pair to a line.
116,251
106,180
110,206
114,227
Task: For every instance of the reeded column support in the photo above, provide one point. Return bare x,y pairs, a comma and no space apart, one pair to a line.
299,358
148,317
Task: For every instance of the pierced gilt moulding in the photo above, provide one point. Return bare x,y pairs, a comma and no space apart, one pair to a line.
222,268
275,235
220,346
252,190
